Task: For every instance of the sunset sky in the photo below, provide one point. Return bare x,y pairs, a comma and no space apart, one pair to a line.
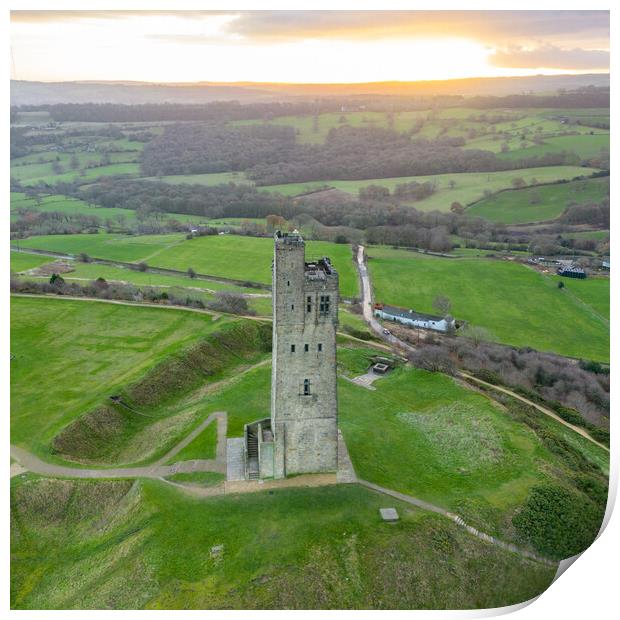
304,46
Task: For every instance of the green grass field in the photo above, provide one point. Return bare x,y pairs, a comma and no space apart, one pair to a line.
539,203
584,146
516,304
126,248
592,292
75,206
469,186
249,258
92,271
203,447
113,545
597,235
43,174
23,262
71,355
228,256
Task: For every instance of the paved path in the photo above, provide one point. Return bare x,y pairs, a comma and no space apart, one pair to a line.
30,462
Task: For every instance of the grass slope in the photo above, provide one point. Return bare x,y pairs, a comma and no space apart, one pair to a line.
518,305
113,545
539,203
69,356
426,435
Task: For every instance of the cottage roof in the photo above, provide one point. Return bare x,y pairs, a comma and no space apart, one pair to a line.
408,314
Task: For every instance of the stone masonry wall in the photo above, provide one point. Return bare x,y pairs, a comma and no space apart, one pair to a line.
304,348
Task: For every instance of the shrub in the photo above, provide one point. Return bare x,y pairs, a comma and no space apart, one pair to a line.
433,359
232,303
558,523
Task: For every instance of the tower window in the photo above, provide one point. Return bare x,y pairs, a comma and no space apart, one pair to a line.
306,387
288,283
308,304
292,306
306,348
320,347
292,348
324,304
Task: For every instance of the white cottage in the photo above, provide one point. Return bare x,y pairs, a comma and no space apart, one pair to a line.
413,319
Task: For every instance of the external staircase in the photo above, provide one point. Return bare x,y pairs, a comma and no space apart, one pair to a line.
252,438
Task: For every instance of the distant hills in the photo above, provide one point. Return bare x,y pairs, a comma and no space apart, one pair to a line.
37,93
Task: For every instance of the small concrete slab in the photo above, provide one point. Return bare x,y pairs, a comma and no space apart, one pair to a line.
389,514
366,380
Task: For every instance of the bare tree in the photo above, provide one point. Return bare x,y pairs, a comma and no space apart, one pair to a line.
433,359
476,333
442,304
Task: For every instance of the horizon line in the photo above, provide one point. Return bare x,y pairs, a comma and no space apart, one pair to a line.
276,83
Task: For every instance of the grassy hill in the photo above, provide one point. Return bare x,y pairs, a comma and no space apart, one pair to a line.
70,356
116,545
143,544
518,305
534,204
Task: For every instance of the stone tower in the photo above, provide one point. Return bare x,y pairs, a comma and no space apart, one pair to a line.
304,406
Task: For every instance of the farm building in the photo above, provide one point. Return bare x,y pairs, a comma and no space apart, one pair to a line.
572,272
413,319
